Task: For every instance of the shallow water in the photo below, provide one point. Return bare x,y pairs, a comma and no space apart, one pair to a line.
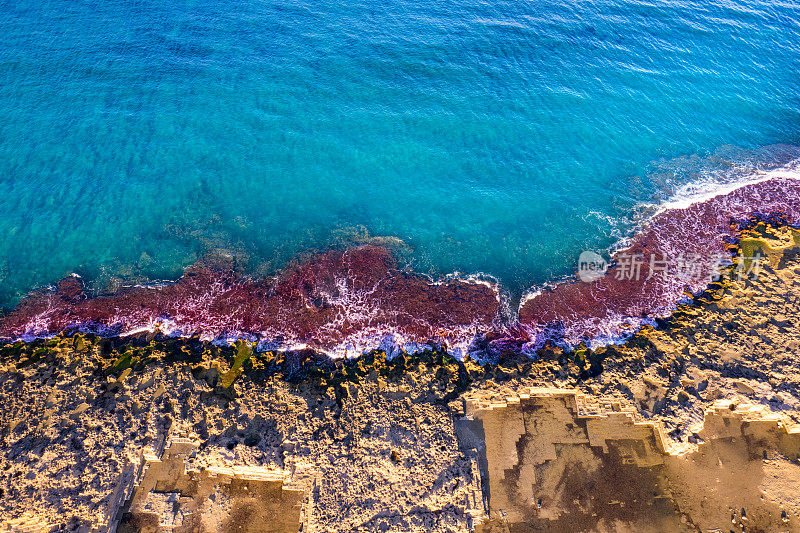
502,137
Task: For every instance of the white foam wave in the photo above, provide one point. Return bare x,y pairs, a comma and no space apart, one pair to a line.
710,186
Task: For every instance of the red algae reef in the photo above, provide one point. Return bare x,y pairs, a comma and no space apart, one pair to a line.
675,255
347,302
339,298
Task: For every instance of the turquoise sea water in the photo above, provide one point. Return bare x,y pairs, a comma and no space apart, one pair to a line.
502,137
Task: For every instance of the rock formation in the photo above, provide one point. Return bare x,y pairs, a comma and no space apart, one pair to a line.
557,460
173,495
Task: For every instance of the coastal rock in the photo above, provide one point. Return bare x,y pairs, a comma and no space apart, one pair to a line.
557,460
664,432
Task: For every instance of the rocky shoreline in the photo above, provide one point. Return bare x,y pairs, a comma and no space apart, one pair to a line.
147,433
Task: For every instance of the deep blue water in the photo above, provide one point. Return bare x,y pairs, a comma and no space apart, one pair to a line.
502,137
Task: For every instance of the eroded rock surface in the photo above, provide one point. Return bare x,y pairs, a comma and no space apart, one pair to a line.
691,426
556,460
174,495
